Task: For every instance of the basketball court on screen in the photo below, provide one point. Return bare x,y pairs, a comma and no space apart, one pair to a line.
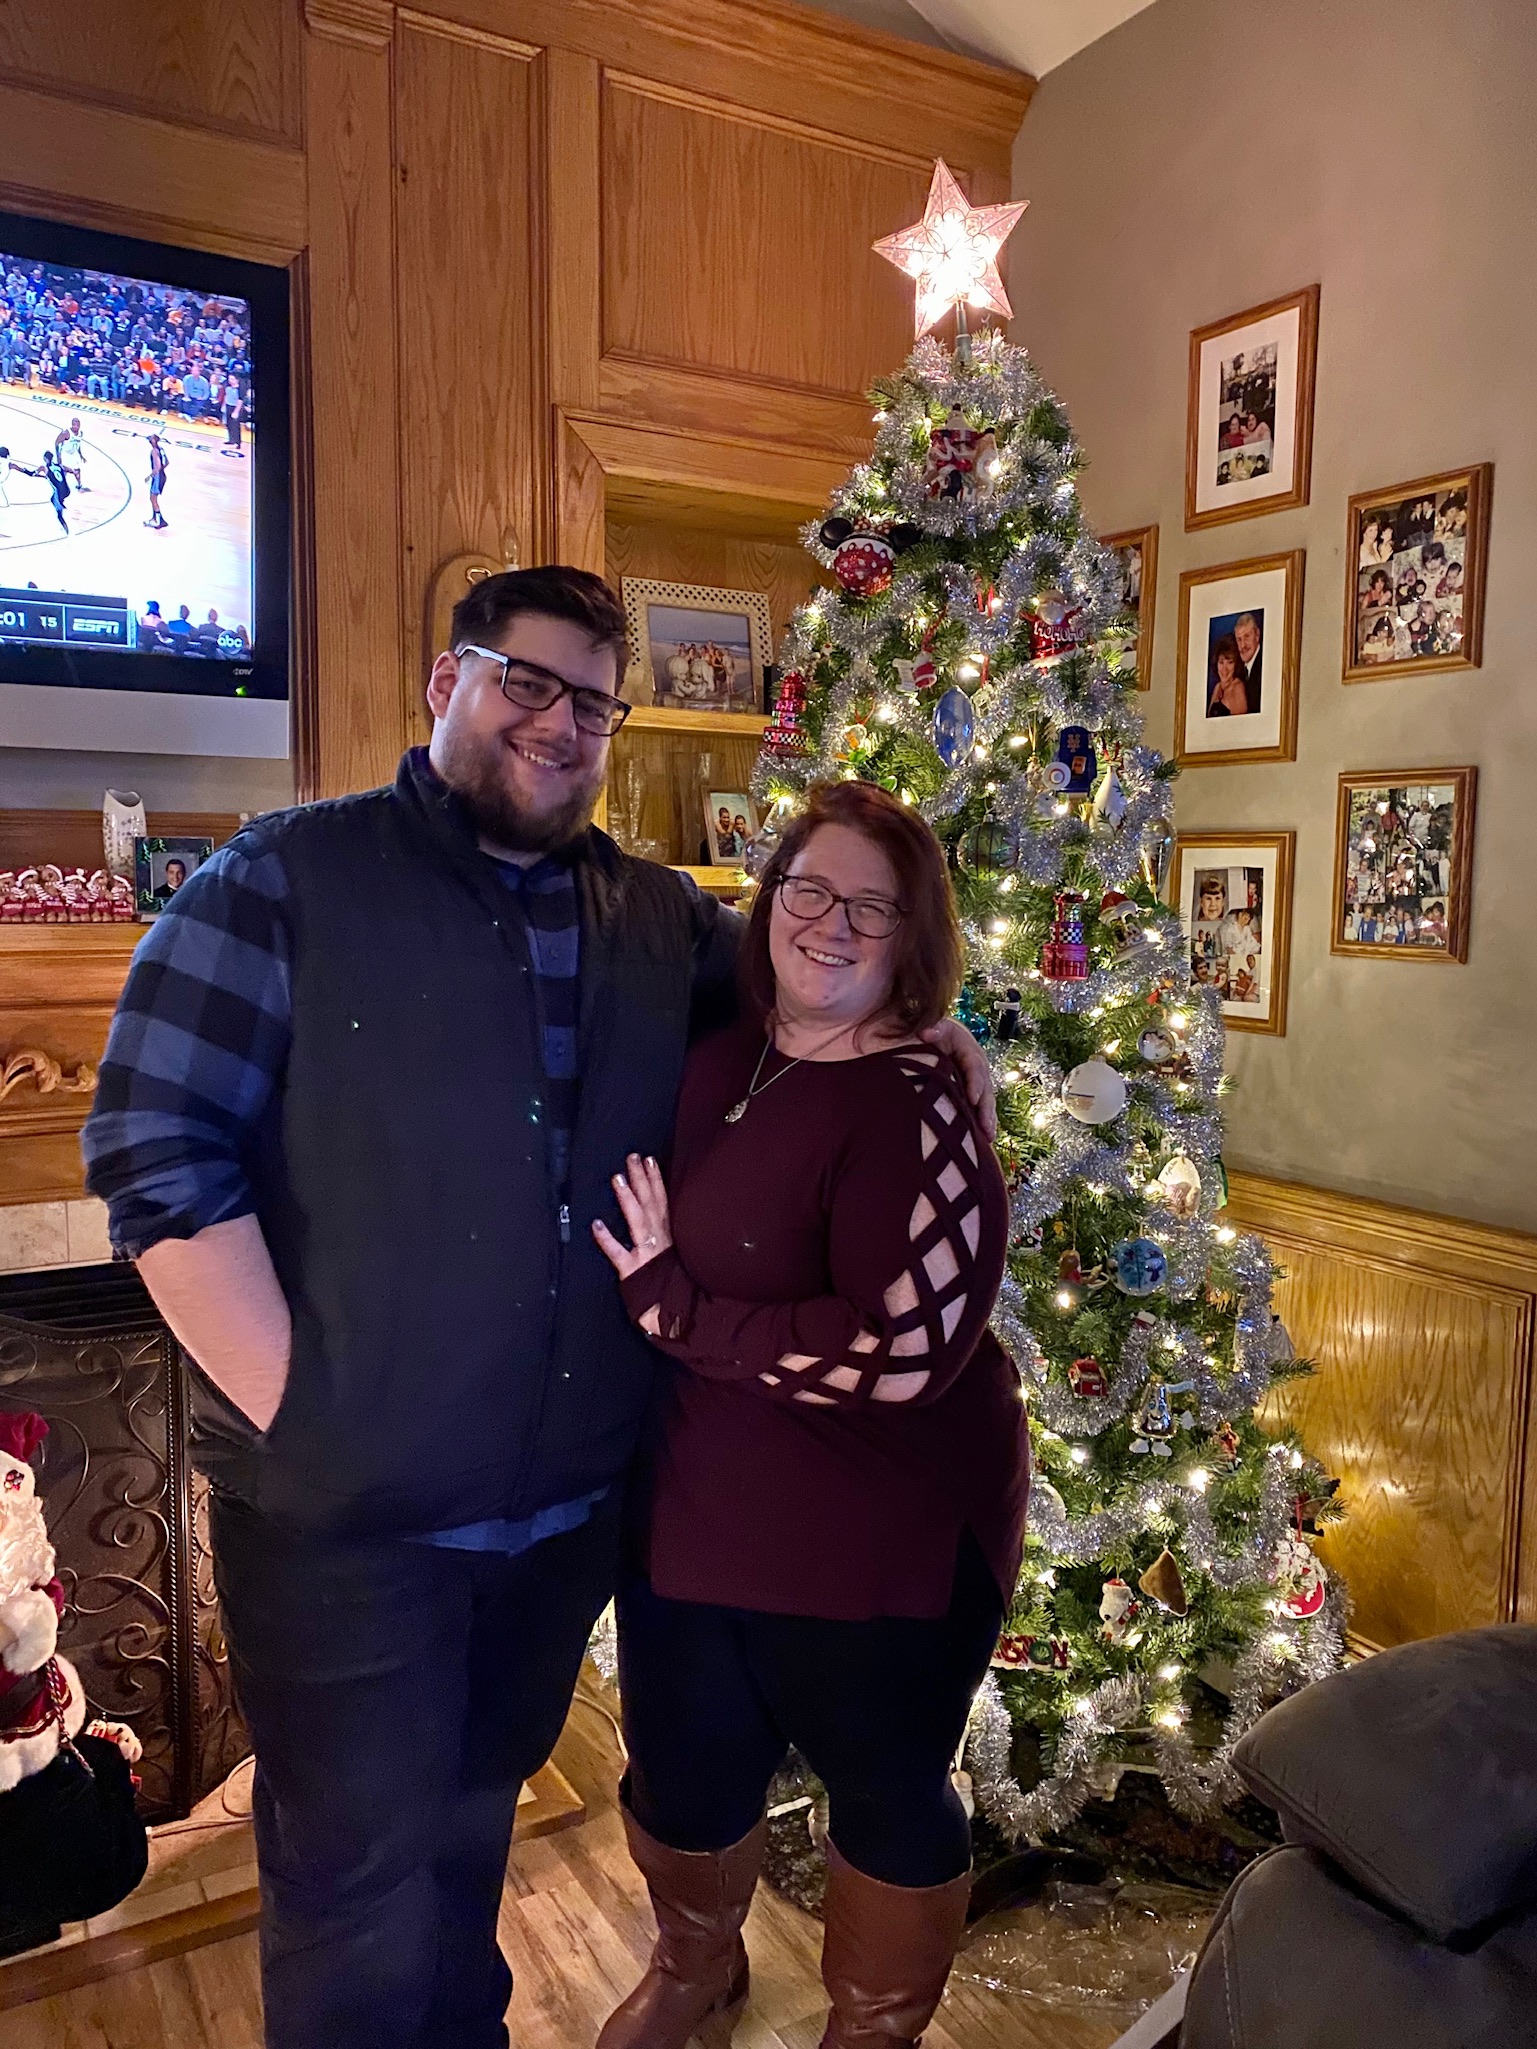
201,558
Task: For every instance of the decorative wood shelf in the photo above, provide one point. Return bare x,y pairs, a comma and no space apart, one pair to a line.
663,718
718,881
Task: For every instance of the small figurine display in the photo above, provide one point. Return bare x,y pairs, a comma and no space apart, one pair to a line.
786,737
50,895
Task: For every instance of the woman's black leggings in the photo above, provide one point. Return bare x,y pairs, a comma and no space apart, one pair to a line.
713,1698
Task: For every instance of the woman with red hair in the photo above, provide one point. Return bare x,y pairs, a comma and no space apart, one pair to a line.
836,1490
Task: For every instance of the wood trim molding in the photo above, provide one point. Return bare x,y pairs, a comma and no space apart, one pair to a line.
727,464
700,400
464,32
133,174
32,1064
369,24
745,116
1453,1247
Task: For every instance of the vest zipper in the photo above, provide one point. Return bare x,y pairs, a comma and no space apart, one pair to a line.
564,1215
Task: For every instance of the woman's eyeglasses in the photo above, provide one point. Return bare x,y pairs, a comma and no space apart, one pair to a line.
536,689
872,917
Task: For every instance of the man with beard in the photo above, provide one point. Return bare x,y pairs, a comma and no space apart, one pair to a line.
370,1076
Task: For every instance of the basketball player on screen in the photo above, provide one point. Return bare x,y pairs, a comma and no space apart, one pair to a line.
70,449
158,466
5,495
52,473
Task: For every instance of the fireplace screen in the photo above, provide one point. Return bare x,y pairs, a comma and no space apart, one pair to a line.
86,1348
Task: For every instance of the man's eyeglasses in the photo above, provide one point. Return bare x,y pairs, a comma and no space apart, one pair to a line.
536,689
872,917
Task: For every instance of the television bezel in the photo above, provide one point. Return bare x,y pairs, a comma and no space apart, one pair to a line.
266,289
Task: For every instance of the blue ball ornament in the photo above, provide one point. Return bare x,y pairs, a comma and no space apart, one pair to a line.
1141,1266
955,727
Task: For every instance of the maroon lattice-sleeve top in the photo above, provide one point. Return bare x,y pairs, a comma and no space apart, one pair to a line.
839,1411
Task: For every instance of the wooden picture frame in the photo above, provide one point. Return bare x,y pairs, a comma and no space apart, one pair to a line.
1256,367
1214,604
731,637
1418,866
1258,950
1435,531
728,848
1145,539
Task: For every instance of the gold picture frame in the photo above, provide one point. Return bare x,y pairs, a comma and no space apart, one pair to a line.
1250,965
1410,543
1253,374
1266,592
722,641
1145,540
1419,874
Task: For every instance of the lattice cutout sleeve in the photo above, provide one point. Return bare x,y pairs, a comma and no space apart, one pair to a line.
910,1306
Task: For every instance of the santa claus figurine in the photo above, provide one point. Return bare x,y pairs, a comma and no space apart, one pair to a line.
71,1844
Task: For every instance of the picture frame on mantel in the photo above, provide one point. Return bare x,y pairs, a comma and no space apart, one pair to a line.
1233,891
696,648
1136,553
1249,413
1240,647
1414,598
1403,864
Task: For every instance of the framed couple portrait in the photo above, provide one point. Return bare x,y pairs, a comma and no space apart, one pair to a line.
1240,639
1233,891
1136,555
1415,597
1403,864
1249,425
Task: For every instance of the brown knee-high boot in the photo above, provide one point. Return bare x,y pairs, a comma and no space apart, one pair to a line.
699,1964
886,1953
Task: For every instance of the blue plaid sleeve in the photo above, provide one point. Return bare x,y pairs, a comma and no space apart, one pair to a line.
196,1049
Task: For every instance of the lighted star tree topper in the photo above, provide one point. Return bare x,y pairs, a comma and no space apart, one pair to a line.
952,253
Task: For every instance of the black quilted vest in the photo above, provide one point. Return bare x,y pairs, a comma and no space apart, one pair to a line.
454,1359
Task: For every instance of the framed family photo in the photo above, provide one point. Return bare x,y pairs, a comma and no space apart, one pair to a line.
1249,430
1233,890
1403,863
1136,554
696,648
730,821
160,867
1240,636
1415,598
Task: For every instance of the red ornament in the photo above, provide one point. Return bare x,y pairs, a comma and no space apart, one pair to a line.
785,739
863,564
952,457
1065,956
1086,1377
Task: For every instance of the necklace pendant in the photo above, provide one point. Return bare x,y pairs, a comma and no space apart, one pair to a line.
738,1111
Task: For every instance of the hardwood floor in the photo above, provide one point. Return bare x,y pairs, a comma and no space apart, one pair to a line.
576,1929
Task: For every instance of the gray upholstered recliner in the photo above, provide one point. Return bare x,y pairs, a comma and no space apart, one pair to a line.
1401,1912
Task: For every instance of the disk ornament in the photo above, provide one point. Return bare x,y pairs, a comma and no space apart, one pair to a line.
1168,1589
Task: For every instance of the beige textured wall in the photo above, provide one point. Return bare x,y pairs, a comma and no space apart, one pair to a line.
1208,156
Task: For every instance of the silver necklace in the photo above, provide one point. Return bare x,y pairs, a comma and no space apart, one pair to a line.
739,1110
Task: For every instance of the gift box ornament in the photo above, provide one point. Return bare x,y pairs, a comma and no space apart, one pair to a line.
1086,1377
1065,955
786,736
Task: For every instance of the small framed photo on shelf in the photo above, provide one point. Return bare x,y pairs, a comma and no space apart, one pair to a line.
698,649
730,821
1234,893
1249,429
160,867
1415,599
1137,554
1403,863
1240,637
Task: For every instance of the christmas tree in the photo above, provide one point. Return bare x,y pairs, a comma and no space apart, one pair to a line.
975,659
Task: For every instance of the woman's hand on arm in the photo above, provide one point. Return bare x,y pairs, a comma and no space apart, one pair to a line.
642,1196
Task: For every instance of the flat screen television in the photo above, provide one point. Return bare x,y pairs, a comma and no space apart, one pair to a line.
144,496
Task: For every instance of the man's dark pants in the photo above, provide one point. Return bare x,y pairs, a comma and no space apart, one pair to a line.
398,1695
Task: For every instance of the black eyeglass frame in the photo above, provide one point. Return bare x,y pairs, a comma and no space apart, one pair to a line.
848,903
614,709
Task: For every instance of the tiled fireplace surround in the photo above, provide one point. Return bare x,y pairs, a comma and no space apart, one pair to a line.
47,1234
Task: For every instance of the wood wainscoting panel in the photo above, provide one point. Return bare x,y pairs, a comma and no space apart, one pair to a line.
739,243
1422,1330
234,66
359,725
468,319
783,571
